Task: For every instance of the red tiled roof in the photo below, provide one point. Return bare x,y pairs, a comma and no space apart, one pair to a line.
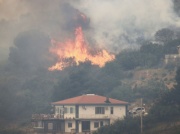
89,99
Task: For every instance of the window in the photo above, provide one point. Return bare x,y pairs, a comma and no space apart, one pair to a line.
85,126
71,110
99,110
40,124
112,110
101,123
69,124
50,126
65,110
96,124
57,109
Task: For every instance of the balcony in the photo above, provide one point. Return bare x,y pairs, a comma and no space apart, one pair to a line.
65,117
46,116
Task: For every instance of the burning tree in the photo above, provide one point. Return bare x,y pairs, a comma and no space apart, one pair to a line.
77,51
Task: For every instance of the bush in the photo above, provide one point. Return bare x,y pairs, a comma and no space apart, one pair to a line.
127,126
163,112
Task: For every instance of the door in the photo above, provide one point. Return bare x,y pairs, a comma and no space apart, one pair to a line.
85,126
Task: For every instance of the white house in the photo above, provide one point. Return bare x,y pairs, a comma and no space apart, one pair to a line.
81,114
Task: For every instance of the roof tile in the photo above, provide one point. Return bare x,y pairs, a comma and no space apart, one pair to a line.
89,99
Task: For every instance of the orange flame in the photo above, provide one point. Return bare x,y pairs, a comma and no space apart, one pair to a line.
79,51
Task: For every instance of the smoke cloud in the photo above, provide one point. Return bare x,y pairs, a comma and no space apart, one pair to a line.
31,51
120,23
115,24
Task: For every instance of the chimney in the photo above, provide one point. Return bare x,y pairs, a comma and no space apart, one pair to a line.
107,100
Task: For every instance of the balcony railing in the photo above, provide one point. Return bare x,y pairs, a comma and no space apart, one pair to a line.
58,116
46,116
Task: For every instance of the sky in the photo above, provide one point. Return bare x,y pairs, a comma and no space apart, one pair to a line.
113,24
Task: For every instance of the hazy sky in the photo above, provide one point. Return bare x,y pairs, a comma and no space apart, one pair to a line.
114,24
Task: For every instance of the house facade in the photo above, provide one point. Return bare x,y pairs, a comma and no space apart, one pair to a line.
80,115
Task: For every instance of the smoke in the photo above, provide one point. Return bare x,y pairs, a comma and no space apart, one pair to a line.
26,27
177,6
120,23
115,24
31,51
73,18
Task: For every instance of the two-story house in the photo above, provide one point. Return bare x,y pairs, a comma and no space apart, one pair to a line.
81,114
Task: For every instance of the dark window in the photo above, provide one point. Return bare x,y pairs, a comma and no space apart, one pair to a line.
99,110
96,124
101,123
69,124
85,126
112,110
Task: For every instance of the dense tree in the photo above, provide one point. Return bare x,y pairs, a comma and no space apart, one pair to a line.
172,47
26,84
123,92
137,58
154,49
86,79
164,35
78,81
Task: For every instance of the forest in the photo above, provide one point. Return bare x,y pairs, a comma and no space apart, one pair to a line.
28,87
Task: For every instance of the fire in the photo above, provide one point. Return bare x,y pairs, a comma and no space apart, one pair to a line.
78,51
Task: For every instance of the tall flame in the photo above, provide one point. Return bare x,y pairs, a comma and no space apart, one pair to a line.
79,51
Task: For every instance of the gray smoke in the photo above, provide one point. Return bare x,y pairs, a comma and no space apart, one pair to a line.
73,18
31,51
120,23
112,24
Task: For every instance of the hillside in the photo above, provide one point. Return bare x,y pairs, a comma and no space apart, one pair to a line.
171,127
141,81
163,115
61,49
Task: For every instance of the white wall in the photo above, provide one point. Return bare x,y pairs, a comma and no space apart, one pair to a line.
92,128
105,122
67,129
89,112
119,113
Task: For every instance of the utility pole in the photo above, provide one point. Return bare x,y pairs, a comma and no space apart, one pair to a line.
141,118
